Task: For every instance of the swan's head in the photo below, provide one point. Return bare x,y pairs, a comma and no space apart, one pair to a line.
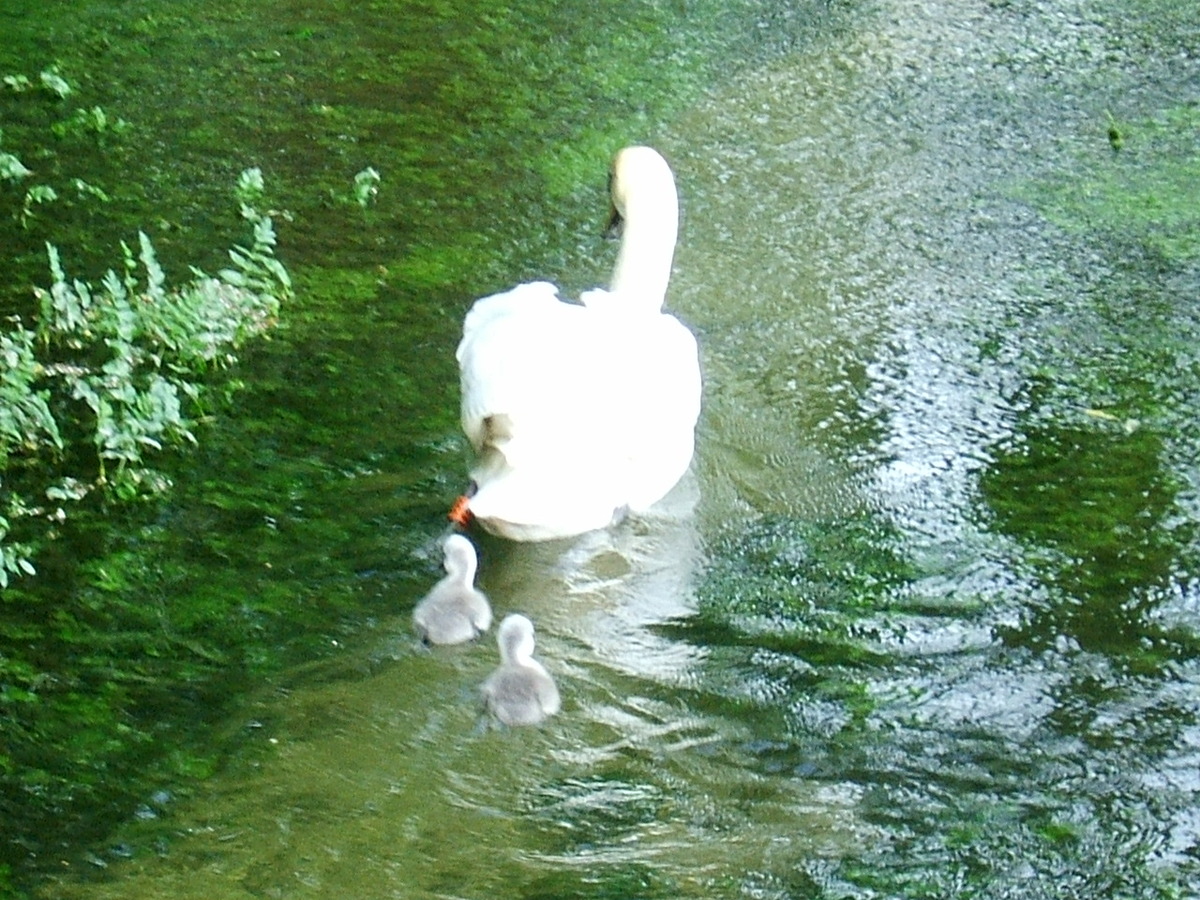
515,637
640,177
460,559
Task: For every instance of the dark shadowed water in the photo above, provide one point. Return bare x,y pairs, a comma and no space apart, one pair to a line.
923,621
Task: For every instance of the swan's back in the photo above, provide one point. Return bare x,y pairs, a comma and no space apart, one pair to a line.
579,411
577,406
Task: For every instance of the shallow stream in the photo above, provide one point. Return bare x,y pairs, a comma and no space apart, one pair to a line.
923,621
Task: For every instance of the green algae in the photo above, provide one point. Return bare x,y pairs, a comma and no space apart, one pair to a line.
1145,192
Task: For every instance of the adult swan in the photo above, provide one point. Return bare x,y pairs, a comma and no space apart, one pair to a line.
579,412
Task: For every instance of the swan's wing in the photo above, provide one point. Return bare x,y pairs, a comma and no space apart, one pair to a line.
529,366
508,342
575,410
601,300
497,330
660,386
571,381
522,299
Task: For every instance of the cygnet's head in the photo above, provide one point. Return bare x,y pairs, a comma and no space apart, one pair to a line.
515,637
459,557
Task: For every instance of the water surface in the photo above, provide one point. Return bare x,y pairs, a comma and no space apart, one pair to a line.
922,621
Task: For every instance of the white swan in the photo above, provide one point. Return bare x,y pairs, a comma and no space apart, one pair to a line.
581,411
455,610
520,691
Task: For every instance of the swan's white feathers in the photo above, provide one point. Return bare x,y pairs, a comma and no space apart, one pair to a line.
580,410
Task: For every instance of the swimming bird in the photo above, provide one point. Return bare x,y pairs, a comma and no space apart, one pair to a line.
455,610
581,412
520,691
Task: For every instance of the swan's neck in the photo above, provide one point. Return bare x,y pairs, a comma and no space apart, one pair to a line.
643,266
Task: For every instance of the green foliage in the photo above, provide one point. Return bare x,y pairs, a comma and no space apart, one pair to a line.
55,83
366,186
18,84
93,121
11,168
50,80
117,366
37,195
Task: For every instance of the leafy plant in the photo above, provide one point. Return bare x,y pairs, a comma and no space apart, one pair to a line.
11,168
50,80
117,366
94,121
55,83
37,195
18,84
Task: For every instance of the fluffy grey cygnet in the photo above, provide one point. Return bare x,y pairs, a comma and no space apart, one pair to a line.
455,610
521,691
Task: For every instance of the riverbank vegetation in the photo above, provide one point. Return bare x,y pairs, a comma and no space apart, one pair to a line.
99,380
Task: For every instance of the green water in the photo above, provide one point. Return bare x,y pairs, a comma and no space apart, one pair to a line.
923,621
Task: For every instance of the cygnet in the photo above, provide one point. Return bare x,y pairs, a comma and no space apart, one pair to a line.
520,691
455,610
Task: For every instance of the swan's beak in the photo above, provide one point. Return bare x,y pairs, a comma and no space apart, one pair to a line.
616,223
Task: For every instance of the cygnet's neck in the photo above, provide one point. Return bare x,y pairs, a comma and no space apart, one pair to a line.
516,646
460,561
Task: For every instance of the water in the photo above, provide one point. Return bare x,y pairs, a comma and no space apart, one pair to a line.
922,621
